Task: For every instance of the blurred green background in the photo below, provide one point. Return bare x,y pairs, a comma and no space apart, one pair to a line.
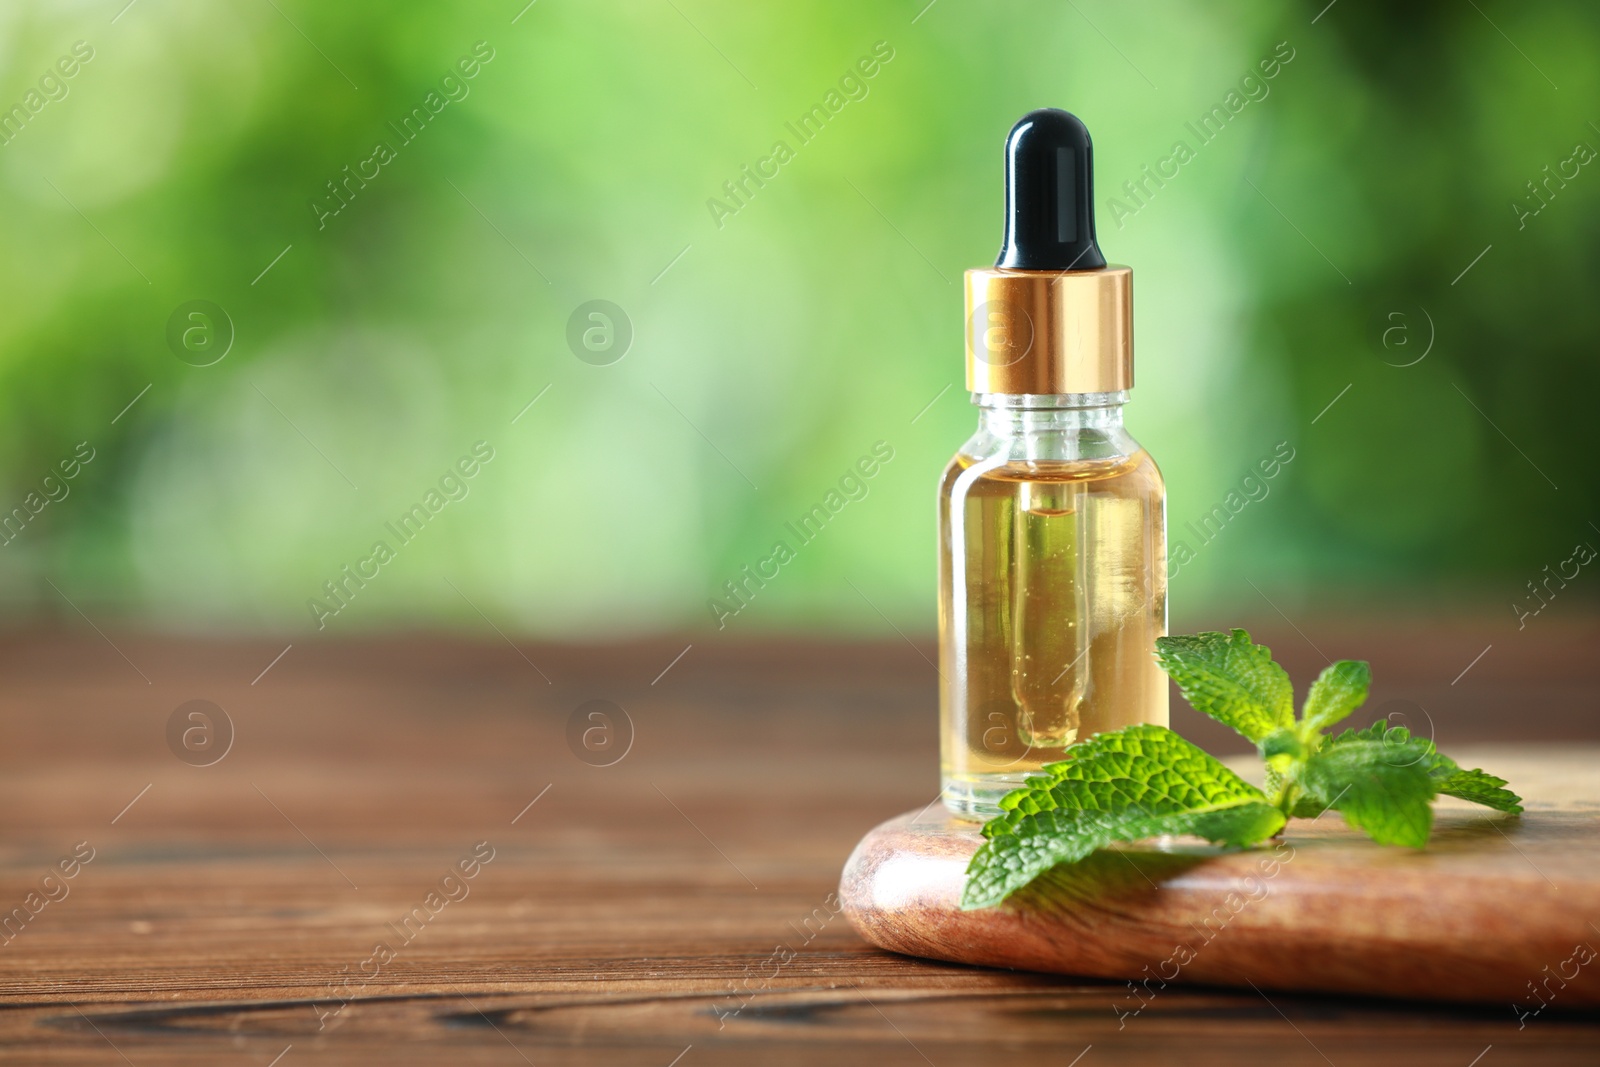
1357,210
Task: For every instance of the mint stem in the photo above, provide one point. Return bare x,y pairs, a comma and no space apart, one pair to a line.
1288,793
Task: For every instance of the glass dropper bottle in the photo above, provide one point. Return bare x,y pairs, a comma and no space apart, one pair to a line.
1052,520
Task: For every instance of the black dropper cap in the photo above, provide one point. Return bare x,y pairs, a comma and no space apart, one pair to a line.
1050,195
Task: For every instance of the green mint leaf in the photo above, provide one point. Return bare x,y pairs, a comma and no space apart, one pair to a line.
1449,778
1230,679
1143,764
1479,787
1384,789
1237,827
1040,841
1340,689
1125,785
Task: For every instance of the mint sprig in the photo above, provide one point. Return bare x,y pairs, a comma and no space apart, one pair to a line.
1145,781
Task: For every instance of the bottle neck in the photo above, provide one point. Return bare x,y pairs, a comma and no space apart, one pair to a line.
1014,414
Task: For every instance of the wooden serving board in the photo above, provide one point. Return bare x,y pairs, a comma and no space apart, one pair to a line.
1498,909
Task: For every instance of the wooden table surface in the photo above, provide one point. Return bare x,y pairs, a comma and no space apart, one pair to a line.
674,907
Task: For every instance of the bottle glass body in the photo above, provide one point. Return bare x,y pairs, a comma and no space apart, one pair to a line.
1052,590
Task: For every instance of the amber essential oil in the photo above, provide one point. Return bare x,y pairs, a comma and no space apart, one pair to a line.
1052,591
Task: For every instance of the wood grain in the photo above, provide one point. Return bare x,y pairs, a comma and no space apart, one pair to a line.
681,897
